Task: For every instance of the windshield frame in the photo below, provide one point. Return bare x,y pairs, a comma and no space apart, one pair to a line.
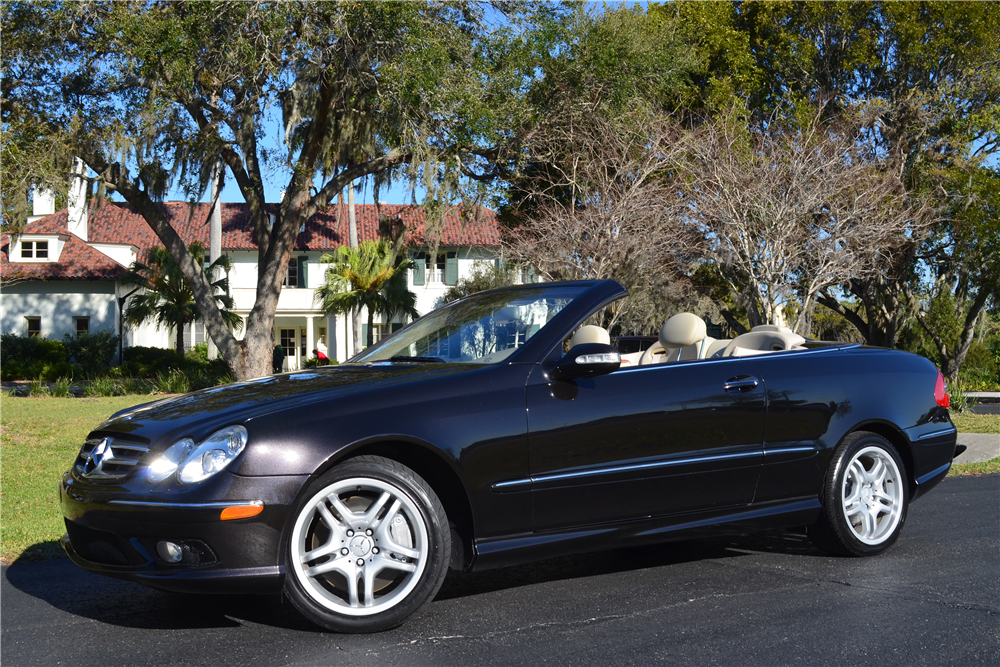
593,294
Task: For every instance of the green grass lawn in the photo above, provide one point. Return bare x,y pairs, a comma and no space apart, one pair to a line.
970,423
39,440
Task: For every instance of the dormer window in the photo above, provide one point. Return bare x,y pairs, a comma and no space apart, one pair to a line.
34,250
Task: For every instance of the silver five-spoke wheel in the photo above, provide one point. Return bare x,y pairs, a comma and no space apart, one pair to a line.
873,495
359,546
368,546
864,497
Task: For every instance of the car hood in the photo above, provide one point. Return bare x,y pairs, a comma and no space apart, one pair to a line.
198,413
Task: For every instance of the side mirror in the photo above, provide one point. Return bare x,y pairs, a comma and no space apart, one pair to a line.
586,360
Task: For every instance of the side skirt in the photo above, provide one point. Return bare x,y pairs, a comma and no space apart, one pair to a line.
527,547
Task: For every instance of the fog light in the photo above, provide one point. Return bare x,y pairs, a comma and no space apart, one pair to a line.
170,552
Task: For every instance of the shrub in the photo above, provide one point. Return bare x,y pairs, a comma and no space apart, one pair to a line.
104,386
26,358
60,388
92,353
36,388
149,362
174,382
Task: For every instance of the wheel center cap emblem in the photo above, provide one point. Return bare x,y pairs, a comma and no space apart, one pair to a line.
360,546
866,496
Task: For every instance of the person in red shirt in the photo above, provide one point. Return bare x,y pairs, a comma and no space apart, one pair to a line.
321,358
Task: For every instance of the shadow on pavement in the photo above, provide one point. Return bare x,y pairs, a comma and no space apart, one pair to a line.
64,586
621,560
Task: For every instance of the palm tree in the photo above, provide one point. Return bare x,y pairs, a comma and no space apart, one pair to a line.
164,296
367,277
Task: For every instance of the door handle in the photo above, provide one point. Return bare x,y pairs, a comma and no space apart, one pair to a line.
741,383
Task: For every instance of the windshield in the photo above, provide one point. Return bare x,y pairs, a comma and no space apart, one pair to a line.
482,329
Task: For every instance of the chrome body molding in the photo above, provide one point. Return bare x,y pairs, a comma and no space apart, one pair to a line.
188,506
520,484
947,431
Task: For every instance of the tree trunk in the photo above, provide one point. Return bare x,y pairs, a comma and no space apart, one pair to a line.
180,339
371,328
951,360
356,326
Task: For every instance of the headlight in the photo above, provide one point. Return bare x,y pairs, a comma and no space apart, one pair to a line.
194,463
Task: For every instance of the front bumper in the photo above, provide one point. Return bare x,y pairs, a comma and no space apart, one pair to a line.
114,530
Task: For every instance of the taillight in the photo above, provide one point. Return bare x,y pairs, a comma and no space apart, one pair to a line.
940,395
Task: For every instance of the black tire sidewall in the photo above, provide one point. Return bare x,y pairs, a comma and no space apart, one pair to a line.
439,546
837,524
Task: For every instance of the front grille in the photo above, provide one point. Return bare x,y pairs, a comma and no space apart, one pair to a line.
112,460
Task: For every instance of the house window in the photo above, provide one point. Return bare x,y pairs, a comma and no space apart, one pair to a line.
34,249
292,274
288,341
194,334
435,268
82,325
443,268
322,335
33,326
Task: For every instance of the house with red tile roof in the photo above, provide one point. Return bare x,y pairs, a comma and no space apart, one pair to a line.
61,275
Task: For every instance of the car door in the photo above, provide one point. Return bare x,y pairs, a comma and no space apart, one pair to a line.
645,441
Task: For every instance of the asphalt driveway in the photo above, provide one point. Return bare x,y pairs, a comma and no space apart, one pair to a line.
769,599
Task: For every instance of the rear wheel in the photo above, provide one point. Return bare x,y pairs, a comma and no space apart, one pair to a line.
865,498
369,546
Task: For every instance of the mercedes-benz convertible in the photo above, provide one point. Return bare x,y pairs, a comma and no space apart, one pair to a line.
500,429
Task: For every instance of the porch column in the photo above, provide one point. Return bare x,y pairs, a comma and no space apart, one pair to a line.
310,336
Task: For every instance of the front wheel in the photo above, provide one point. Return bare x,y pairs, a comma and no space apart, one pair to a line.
865,498
369,546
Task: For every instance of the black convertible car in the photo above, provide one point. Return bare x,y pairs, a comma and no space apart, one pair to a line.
497,430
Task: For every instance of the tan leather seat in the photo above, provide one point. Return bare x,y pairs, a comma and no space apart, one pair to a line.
762,341
716,348
682,337
590,333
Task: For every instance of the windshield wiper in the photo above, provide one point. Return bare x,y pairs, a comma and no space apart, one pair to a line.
405,358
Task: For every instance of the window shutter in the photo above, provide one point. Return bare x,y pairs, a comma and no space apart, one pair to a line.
364,335
396,326
451,269
302,271
419,269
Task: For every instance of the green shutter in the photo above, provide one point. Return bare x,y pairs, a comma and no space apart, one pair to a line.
419,269
364,336
396,326
451,269
302,271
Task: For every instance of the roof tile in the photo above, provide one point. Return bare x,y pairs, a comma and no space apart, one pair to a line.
117,222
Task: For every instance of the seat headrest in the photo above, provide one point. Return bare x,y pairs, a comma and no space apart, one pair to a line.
590,334
682,329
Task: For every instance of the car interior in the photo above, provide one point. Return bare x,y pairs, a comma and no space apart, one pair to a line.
684,337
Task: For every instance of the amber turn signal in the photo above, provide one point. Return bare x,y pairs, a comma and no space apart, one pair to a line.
241,512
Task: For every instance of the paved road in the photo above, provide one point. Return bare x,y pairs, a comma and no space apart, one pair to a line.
769,599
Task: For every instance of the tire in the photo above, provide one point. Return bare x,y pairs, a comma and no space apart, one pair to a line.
395,533
865,498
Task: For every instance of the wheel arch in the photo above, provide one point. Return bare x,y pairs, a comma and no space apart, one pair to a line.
426,461
898,440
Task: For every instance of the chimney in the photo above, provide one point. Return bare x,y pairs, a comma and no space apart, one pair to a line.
76,209
43,203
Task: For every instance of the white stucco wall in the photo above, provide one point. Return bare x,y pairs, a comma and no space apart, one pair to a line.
57,302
